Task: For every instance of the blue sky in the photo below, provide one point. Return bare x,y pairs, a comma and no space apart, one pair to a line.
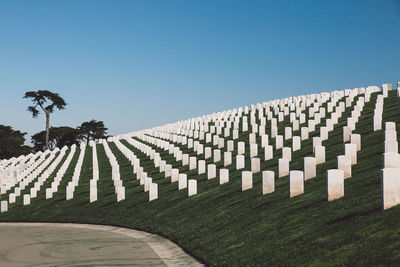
139,64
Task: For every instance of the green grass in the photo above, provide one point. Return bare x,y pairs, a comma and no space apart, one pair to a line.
226,227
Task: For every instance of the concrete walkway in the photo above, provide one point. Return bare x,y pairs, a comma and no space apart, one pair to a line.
66,244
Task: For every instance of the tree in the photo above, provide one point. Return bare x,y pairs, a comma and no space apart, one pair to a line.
40,98
59,137
12,143
92,130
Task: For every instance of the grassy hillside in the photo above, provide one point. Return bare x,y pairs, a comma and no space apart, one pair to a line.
223,226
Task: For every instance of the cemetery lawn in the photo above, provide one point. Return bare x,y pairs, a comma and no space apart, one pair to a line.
222,226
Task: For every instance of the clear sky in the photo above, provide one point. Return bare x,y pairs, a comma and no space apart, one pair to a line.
139,64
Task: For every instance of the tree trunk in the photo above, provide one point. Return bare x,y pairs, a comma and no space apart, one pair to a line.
47,129
87,140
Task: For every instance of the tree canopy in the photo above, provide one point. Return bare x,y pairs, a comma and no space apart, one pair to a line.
12,143
47,101
92,130
59,137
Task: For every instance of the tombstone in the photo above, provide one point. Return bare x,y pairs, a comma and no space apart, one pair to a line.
11,198
344,164
230,145
296,183
174,175
207,153
147,182
278,141
247,180
252,138
93,193
377,122
27,199
153,191
255,165
283,167
356,139
390,187
192,187
202,167
296,143
192,163
274,131
335,184
287,153
268,182
4,206
390,126
223,176
304,133
120,190
239,162
211,171
391,146
253,150
268,153
319,154
241,148
49,193
185,159
221,142
217,155
288,133
351,150
310,168
346,134
168,169
227,158
316,142
323,131
264,140
311,126
391,160
182,182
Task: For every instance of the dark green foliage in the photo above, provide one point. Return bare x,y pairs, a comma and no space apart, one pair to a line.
223,226
12,143
41,98
59,137
92,130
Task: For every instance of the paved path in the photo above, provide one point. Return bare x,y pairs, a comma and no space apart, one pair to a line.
64,244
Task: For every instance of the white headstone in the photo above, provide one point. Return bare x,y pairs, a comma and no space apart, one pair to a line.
192,163
153,191
391,160
227,158
211,171
335,184
287,153
241,148
296,143
223,176
296,183
239,162
247,180
351,150
391,187
283,167
278,141
344,164
310,170
356,139
268,181
255,165
319,154
182,182
201,167
192,187
268,152
27,199
4,206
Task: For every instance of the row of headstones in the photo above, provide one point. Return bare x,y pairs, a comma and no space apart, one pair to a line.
115,174
30,177
391,168
311,111
39,160
48,172
202,164
11,169
45,169
95,174
76,175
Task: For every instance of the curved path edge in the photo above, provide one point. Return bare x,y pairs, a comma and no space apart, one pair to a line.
169,252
